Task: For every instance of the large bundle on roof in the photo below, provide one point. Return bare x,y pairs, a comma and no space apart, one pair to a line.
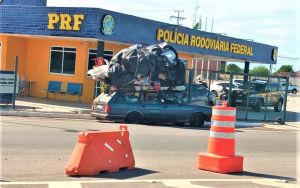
142,67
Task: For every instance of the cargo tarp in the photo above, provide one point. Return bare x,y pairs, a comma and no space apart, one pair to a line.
143,66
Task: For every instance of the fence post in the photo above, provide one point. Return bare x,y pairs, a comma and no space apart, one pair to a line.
247,97
15,83
230,88
191,77
208,93
285,100
267,98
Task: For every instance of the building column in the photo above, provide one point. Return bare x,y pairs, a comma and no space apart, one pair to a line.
100,48
100,53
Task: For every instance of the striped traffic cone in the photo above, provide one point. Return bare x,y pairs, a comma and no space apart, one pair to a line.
221,143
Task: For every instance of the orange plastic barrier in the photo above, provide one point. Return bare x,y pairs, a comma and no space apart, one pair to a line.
101,151
221,143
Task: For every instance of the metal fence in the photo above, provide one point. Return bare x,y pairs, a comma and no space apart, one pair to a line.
257,98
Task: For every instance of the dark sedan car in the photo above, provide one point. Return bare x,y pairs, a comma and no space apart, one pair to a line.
150,106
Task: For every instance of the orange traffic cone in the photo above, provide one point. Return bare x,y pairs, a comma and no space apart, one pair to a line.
221,143
101,151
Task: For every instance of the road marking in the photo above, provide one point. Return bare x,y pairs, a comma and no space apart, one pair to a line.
263,181
276,183
182,184
65,184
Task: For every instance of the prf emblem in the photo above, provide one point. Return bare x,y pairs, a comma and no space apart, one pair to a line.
108,25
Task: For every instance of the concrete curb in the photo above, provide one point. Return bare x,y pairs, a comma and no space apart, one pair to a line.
46,114
240,124
248,124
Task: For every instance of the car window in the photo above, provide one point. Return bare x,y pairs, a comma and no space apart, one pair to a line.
198,92
273,87
127,98
168,97
261,88
105,97
239,81
151,98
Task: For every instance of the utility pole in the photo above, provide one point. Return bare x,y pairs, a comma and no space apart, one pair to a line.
206,23
212,25
200,23
195,16
178,17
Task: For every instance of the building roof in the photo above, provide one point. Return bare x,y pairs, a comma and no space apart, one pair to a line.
93,22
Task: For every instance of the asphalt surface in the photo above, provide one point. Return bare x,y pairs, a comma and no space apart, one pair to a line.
36,150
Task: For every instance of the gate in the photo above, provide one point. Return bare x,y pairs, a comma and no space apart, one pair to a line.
256,97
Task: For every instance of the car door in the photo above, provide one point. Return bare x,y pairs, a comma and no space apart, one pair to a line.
152,108
273,95
199,95
126,102
175,108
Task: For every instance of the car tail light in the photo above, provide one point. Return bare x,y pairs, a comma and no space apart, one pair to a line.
92,106
107,108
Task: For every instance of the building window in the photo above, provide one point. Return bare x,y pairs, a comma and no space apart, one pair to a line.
93,54
223,66
62,60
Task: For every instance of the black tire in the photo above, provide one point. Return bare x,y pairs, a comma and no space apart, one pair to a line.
257,107
179,123
214,93
279,105
224,97
197,120
134,118
294,91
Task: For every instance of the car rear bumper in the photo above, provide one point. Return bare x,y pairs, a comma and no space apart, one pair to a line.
104,116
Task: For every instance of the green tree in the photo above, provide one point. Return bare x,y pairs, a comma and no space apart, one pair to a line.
260,70
198,25
285,68
233,68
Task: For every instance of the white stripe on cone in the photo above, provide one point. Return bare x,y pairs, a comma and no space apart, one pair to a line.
221,135
222,123
223,112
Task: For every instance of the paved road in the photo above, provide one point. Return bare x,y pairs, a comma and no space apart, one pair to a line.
36,150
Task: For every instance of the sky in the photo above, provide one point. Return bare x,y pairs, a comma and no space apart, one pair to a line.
273,22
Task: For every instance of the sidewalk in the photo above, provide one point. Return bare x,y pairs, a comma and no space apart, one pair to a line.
41,107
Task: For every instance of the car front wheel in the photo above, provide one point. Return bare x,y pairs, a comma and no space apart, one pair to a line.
294,91
197,120
214,94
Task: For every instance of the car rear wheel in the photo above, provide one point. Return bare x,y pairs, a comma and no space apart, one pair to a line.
294,91
134,118
278,107
197,120
179,123
214,93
